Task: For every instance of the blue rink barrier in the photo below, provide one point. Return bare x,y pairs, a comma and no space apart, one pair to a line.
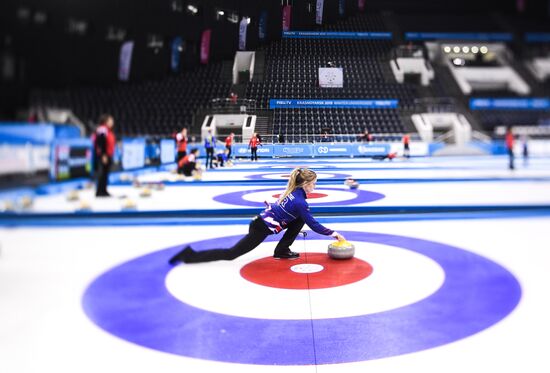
314,150
193,217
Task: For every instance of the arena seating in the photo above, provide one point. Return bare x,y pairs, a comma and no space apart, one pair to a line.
156,107
291,72
490,119
161,107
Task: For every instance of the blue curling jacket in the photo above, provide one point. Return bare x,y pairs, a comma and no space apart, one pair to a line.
209,141
277,215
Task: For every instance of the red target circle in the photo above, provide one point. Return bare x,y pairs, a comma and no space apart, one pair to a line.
277,273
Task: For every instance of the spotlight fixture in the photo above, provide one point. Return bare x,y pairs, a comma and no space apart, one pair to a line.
447,49
484,49
465,49
456,49
475,49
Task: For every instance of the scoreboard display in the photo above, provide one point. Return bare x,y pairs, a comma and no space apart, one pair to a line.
71,159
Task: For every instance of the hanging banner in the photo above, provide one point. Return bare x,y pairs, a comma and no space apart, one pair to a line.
262,25
287,10
205,46
342,7
243,26
361,5
125,60
177,48
319,12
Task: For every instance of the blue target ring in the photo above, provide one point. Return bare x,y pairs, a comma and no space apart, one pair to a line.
131,301
236,198
266,176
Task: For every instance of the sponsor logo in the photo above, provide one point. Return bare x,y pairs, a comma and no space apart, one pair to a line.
293,150
370,149
322,150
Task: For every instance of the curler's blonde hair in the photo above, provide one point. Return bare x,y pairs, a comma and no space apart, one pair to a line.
298,178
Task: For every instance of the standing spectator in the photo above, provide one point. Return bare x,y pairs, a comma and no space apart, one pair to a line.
104,149
525,149
406,142
253,145
229,144
233,97
509,140
209,144
181,139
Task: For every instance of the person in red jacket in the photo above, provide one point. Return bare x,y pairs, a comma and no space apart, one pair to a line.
229,144
181,139
509,139
406,142
188,165
104,149
253,145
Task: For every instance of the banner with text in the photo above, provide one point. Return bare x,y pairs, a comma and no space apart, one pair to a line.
336,35
277,103
510,104
482,36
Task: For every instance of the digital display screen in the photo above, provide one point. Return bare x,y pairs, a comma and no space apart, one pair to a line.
71,161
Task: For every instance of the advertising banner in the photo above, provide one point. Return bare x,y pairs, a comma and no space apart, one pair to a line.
205,46
342,7
509,104
125,61
281,103
133,153
243,26
177,48
262,26
319,12
287,10
336,35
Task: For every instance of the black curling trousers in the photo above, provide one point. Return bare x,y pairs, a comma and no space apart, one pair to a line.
257,233
292,230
